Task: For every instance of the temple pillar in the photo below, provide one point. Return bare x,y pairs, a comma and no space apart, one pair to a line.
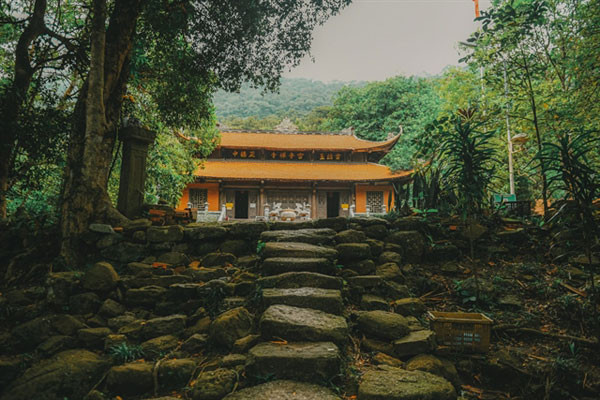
133,169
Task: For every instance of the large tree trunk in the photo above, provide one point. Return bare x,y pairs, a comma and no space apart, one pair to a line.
96,119
12,100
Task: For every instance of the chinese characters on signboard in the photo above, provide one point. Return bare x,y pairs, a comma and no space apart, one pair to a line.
285,155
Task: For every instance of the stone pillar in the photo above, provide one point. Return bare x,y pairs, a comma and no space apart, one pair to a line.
133,169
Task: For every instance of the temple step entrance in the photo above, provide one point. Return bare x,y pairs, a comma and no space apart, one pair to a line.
241,204
333,204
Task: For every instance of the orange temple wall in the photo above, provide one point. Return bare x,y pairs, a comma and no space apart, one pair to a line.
361,195
213,195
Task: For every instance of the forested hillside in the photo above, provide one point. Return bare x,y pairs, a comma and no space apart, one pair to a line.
296,97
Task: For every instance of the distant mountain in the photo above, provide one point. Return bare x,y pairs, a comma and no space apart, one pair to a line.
296,98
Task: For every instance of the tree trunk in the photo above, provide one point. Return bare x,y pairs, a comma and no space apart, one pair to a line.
538,138
13,99
96,118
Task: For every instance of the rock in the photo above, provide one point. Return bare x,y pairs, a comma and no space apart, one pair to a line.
145,296
109,240
133,329
278,265
311,236
233,302
218,259
302,324
376,246
436,366
248,262
246,229
337,224
327,300
60,286
236,247
374,345
364,267
233,360
297,250
242,345
365,282
350,236
137,268
111,308
130,379
290,280
395,290
158,346
174,258
31,333
412,242
171,325
410,224
390,257
409,306
352,252
140,224
378,232
203,274
442,253
204,232
371,302
304,361
56,344
46,379
84,303
284,390
124,252
66,324
101,228
113,340
195,343
415,342
213,385
382,324
101,277
93,337
161,234
231,326
117,323
139,237
382,358
390,271
176,373
398,384
517,237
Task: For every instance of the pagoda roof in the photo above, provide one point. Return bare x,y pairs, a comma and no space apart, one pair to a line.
254,170
302,141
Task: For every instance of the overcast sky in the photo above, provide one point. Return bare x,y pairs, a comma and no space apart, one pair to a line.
377,39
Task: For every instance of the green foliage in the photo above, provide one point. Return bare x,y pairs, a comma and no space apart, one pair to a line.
123,353
296,97
260,245
468,161
380,108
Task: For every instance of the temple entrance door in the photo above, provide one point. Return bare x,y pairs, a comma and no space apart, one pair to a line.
333,204
241,204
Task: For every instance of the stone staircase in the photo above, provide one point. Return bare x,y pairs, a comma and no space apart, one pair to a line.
305,326
302,321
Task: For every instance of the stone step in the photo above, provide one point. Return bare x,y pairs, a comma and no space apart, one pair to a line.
398,384
278,265
303,361
291,280
311,236
327,300
302,324
298,250
284,390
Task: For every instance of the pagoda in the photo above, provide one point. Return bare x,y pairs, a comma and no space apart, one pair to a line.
330,174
